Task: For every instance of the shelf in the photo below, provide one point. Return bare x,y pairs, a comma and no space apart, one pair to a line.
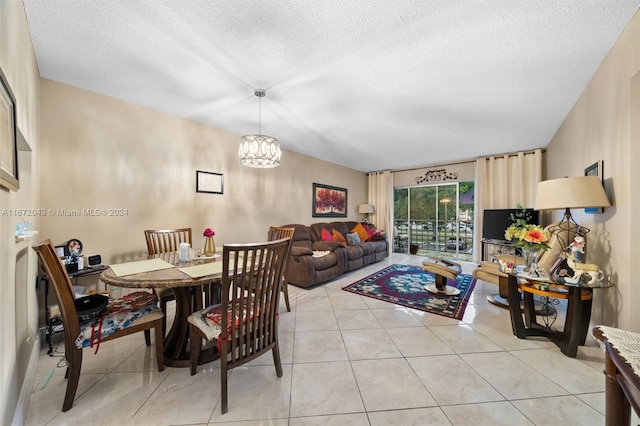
26,236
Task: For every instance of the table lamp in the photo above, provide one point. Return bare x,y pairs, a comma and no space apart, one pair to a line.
571,193
366,209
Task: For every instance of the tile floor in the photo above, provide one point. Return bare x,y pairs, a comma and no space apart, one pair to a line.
347,360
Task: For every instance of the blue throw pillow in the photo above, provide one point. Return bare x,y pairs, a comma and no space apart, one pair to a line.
353,238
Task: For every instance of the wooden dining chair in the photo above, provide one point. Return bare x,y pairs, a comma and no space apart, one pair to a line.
276,233
142,319
244,325
165,241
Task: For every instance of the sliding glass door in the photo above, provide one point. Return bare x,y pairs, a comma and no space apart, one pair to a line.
433,221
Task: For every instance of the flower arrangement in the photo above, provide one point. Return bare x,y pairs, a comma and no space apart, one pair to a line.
208,232
525,235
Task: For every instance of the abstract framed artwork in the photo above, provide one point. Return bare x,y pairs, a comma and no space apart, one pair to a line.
329,201
209,182
8,137
594,170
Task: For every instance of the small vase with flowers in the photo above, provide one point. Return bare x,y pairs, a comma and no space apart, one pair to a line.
531,239
209,245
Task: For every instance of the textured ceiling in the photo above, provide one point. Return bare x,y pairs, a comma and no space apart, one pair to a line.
369,84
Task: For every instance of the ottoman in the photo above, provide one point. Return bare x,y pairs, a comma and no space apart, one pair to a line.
442,269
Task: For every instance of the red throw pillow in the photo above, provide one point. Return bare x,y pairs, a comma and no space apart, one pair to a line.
326,235
337,236
370,231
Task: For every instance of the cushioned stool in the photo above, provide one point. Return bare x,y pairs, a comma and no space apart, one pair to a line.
442,269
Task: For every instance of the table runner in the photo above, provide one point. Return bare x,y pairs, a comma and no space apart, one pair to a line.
626,342
203,270
137,267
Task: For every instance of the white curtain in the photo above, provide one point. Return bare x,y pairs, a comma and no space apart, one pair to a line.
502,182
380,194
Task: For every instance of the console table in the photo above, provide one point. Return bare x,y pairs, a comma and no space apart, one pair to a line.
579,300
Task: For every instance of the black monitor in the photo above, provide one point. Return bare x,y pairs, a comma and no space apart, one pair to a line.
496,221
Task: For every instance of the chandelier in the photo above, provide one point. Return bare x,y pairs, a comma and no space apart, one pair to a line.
260,151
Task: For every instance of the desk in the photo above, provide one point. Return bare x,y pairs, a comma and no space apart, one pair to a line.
576,324
188,292
622,380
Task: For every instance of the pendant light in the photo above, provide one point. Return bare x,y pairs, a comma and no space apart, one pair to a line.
259,151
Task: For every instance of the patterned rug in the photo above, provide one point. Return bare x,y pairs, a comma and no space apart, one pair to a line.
404,285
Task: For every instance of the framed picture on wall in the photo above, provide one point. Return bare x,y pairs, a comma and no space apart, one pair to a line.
209,182
329,201
594,170
8,137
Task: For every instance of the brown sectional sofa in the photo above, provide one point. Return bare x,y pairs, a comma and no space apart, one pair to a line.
306,270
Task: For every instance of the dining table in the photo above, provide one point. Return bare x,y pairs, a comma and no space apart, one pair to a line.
195,283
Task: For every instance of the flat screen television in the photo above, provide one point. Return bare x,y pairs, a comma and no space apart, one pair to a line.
496,221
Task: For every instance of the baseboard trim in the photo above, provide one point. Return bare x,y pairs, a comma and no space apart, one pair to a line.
20,415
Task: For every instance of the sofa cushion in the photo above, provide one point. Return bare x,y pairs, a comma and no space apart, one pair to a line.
316,230
341,227
325,262
378,245
326,235
368,248
364,235
354,251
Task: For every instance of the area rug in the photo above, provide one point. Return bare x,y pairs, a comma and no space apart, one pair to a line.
404,285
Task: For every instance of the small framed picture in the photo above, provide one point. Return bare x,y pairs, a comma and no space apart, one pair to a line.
594,170
556,265
62,251
209,182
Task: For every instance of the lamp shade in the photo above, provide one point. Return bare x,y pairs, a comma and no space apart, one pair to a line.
365,208
259,151
571,192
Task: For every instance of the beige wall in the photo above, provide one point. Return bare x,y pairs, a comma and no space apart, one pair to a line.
603,126
18,306
102,153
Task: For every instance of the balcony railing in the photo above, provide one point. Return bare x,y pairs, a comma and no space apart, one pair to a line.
439,236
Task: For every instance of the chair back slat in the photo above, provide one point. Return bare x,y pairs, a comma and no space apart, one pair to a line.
59,279
278,232
166,240
252,275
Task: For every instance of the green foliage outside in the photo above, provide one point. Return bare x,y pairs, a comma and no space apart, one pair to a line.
424,204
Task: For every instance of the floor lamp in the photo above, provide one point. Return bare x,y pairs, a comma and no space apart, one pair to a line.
570,193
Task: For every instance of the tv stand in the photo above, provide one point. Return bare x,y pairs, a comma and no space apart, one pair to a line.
491,248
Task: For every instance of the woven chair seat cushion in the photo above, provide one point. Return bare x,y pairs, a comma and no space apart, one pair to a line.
120,313
209,319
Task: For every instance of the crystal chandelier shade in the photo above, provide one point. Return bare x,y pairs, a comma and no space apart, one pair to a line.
259,151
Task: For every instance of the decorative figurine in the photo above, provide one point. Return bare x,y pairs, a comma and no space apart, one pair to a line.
577,248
